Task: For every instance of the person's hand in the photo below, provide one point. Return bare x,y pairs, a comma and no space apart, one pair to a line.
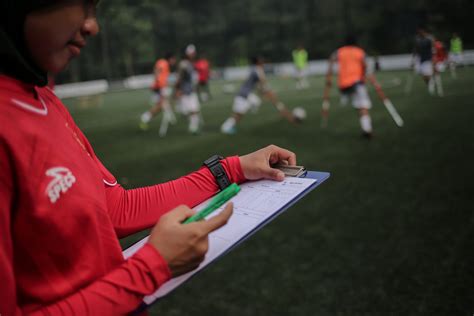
257,165
184,246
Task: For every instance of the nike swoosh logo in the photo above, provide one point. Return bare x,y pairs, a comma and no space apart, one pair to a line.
31,108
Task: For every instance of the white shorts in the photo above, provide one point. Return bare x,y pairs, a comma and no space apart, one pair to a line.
242,105
158,94
425,68
190,104
300,73
155,97
359,97
441,67
456,58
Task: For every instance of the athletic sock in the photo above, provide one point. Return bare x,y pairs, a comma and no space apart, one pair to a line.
439,85
431,86
194,123
146,117
228,125
366,123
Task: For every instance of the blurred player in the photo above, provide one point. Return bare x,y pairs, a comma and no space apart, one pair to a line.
455,54
186,90
440,59
300,60
247,100
160,87
440,56
423,57
203,69
351,81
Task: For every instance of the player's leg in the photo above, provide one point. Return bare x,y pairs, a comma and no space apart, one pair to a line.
168,115
147,116
205,91
255,102
239,109
304,78
202,92
439,68
361,101
452,65
427,71
208,90
301,82
193,108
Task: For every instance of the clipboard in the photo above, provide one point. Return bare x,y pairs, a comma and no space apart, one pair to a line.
319,177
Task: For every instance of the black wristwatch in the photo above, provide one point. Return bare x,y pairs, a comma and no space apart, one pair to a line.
218,171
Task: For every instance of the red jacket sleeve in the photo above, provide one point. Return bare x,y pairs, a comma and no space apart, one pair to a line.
135,210
119,292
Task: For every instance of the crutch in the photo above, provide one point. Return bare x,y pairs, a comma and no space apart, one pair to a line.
327,93
386,101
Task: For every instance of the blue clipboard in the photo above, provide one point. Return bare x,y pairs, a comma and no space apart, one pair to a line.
321,177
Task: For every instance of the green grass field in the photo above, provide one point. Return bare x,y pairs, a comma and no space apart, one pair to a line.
391,232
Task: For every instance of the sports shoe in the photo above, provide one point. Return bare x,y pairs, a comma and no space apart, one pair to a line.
229,131
143,126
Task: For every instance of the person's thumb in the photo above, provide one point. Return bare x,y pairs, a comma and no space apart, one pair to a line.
274,174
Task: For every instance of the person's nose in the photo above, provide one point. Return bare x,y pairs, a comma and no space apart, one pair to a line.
90,26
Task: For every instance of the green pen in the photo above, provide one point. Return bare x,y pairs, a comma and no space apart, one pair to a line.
215,203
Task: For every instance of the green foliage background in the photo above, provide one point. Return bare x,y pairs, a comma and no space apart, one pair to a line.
134,33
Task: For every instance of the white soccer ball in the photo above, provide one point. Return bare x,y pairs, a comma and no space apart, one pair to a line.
299,113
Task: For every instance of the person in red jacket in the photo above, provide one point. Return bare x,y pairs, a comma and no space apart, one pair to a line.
61,210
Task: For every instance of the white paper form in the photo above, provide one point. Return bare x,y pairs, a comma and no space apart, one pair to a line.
255,204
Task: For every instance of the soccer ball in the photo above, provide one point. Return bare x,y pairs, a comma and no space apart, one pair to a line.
299,114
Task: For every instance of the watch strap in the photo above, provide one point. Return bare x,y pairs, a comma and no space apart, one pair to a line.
217,169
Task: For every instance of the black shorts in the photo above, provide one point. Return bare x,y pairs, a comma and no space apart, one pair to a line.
350,90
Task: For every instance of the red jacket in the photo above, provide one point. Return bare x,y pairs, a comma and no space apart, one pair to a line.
62,212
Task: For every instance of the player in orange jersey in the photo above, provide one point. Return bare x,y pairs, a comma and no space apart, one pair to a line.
160,85
351,80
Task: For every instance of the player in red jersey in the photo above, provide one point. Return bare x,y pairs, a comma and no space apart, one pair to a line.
61,210
203,68
440,56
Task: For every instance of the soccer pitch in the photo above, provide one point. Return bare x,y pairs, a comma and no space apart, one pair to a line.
390,233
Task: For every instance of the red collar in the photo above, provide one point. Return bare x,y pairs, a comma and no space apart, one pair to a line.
26,96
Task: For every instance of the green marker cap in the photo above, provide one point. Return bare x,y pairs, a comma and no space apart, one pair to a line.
215,203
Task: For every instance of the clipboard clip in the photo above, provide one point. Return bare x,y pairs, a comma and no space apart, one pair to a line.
292,171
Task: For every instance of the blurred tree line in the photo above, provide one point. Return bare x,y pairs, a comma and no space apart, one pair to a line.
135,32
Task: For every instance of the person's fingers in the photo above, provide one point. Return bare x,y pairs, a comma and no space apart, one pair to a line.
280,154
181,213
219,220
274,174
